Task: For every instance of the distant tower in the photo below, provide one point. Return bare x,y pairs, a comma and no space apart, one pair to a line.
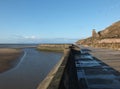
94,34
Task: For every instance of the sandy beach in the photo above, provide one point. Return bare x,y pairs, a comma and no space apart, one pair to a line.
7,56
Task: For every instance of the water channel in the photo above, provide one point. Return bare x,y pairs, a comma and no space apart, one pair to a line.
33,67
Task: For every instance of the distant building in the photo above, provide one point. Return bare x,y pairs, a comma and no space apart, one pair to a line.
95,34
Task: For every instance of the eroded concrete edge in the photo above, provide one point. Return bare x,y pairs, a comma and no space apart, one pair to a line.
45,83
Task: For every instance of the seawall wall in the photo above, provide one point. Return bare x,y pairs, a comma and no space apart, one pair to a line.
63,75
53,47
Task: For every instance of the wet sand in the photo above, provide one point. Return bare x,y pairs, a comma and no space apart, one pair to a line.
7,57
31,68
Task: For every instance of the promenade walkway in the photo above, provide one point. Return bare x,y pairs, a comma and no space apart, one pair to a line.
98,68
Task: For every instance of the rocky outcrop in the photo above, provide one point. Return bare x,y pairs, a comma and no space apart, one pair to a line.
108,38
112,31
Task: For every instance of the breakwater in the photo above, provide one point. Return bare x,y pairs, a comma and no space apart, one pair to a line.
63,75
53,47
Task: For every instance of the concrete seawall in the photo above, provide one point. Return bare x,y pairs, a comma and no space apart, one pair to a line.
46,82
85,68
63,75
53,47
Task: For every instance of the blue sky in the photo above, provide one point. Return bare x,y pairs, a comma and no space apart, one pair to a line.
29,21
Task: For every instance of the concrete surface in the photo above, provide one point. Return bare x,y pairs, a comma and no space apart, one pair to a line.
98,68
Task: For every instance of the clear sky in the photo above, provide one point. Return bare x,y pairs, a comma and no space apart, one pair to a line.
54,20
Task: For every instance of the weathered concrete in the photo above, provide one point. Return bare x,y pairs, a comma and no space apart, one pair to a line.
53,47
108,56
88,68
98,68
69,78
46,82
63,75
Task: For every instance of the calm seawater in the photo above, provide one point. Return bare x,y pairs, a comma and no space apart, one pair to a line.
33,67
16,45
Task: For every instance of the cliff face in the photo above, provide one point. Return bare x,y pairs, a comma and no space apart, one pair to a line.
109,37
112,31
